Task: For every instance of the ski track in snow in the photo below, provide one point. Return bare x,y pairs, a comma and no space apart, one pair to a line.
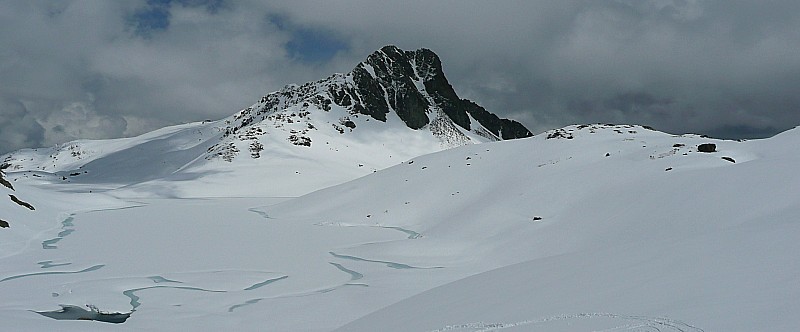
626,323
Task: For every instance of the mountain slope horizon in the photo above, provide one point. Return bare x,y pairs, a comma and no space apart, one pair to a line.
393,106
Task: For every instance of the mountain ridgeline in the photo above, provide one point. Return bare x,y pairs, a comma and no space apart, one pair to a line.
394,106
408,83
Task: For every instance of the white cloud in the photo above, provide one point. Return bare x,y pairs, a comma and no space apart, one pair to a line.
80,120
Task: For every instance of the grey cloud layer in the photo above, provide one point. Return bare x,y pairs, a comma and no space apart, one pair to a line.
720,67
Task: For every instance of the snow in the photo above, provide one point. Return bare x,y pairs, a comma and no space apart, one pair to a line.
180,161
619,228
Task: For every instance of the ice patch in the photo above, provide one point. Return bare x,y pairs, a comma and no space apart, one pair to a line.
264,283
49,264
66,229
353,274
246,303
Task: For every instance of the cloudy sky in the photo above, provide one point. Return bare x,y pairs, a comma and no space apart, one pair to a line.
104,69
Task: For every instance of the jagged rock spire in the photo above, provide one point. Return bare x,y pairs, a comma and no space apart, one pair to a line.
390,79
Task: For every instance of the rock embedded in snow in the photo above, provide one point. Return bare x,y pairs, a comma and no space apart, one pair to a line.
3,181
707,147
21,203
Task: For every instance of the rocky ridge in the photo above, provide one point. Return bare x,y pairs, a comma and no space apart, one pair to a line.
394,106
410,84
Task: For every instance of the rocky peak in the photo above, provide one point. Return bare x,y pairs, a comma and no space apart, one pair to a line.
412,83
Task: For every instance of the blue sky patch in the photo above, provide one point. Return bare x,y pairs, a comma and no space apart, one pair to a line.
311,45
314,45
156,15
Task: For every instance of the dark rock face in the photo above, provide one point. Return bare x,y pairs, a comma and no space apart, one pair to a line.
3,181
372,94
410,83
707,147
395,71
503,128
21,203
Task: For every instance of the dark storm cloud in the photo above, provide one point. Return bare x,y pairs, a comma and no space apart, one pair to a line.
86,69
677,65
720,67
17,126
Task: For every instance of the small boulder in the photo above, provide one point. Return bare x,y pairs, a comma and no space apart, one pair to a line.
707,147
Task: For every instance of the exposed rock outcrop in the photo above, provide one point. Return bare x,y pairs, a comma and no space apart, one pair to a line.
411,84
707,147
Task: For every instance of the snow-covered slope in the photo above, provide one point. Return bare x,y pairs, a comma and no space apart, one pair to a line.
584,228
607,231
394,106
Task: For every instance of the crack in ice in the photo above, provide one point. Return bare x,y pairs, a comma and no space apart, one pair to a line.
394,265
88,269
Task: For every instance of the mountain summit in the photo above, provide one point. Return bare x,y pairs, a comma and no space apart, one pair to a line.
410,84
393,106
